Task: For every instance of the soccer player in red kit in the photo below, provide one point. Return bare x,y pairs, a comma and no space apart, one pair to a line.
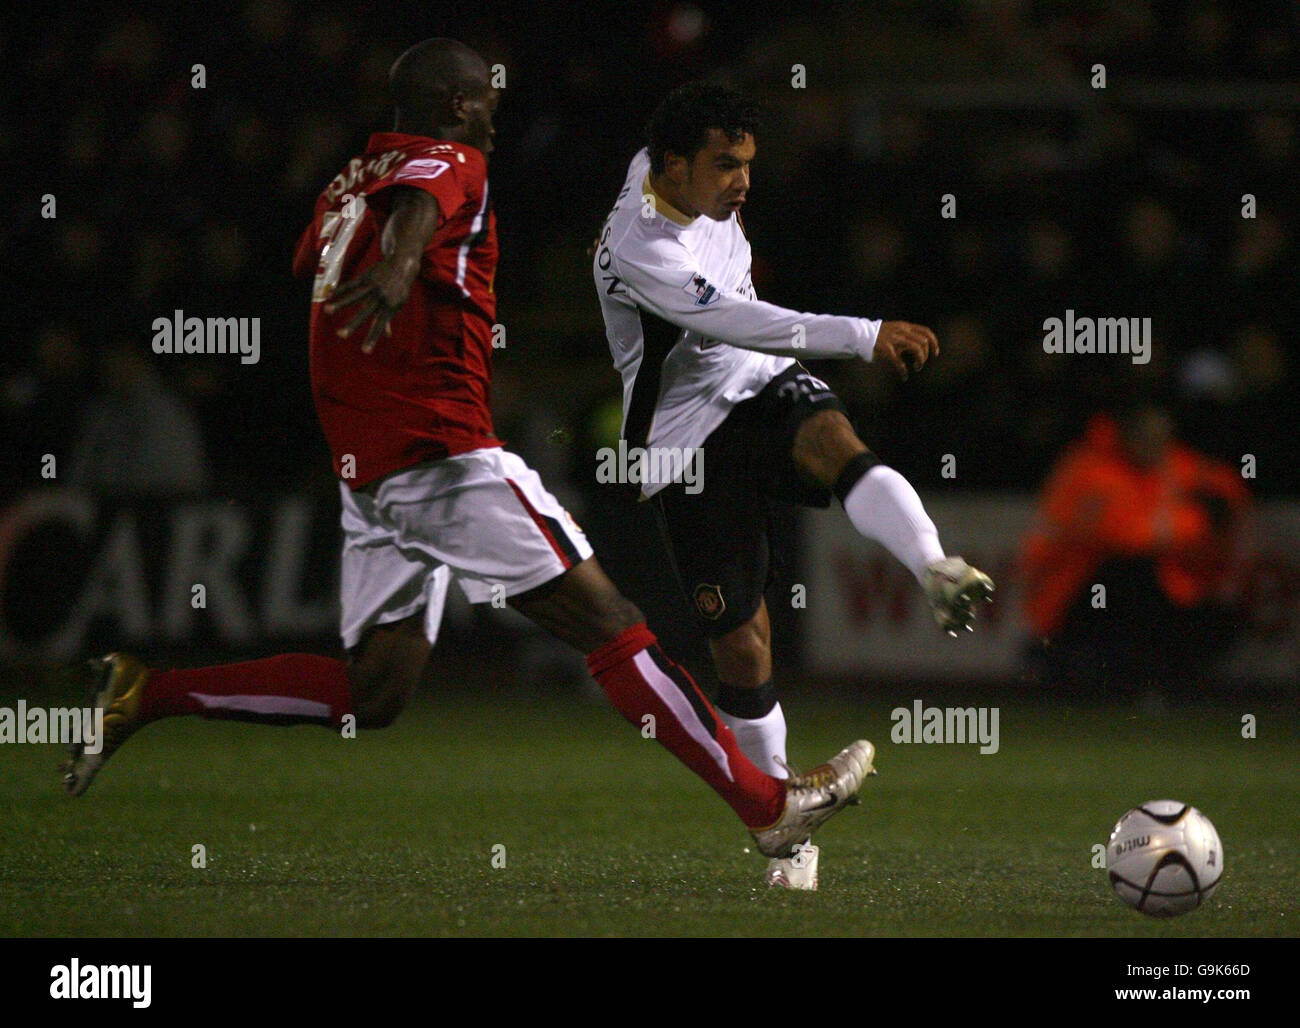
403,249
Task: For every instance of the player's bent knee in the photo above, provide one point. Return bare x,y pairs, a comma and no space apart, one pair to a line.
825,432
824,445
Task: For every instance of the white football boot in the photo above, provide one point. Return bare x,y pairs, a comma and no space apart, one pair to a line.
814,797
953,588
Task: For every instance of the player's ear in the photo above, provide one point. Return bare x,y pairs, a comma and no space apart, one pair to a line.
676,166
456,108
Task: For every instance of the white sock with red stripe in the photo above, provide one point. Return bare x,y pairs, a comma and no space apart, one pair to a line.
643,683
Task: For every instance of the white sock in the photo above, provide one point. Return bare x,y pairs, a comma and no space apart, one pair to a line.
883,506
761,739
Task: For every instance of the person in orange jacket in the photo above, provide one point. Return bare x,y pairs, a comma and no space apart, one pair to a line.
1124,567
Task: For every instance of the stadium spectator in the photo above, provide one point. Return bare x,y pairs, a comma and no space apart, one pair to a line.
137,436
1125,569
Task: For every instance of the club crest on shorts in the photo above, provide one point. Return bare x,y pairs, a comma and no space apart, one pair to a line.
709,601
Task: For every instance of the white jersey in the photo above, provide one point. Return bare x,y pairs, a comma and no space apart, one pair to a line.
684,326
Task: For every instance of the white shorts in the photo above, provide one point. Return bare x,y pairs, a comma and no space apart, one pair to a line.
482,516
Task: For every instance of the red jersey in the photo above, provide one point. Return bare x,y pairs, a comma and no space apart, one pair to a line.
423,393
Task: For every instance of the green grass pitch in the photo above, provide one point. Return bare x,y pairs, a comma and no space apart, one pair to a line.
394,833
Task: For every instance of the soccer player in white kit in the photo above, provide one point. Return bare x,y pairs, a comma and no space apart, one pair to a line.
710,375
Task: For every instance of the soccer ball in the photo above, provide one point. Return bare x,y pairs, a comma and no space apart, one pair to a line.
1164,858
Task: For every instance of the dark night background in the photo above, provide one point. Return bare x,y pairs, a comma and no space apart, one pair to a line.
1118,202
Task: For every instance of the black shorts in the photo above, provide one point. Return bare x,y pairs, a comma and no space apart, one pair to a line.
719,538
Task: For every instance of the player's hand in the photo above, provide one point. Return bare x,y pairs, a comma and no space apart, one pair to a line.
381,292
906,346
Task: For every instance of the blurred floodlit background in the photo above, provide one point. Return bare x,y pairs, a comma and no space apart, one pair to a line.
1122,201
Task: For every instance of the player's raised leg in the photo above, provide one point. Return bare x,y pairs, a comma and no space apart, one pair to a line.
882,505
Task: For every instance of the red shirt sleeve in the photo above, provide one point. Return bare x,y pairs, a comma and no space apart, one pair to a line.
437,176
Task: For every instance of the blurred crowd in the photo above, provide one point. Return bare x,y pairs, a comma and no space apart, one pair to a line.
1125,201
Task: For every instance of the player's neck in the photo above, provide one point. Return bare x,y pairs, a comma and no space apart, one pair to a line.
671,195
411,128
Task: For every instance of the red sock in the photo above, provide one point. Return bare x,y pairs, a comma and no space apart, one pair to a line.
640,680
289,689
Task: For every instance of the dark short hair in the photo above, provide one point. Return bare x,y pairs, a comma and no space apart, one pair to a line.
683,118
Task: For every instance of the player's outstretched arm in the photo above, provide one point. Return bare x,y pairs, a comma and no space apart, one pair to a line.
383,288
669,285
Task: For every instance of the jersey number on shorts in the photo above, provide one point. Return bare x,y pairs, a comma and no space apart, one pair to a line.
808,385
336,233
